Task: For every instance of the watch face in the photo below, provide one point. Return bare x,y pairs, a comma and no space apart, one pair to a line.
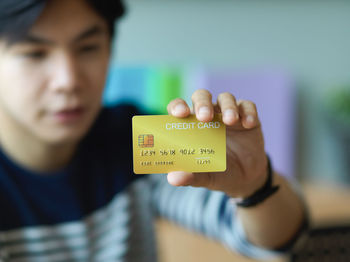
325,244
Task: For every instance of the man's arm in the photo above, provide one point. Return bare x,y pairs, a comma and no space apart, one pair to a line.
276,221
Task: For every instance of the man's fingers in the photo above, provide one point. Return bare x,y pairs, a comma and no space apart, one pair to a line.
229,109
248,113
232,111
179,108
203,106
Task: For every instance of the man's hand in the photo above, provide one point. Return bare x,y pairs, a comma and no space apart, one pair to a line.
246,159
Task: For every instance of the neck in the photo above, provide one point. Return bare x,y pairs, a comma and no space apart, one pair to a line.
33,153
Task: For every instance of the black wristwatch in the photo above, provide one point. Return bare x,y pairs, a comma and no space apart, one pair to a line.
261,194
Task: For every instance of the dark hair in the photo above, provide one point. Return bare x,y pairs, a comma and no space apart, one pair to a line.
18,16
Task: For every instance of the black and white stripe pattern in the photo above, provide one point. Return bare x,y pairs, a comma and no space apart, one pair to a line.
123,230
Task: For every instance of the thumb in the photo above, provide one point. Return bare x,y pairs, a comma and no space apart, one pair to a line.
180,178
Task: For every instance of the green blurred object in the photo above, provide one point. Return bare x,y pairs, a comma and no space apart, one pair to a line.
164,85
339,103
337,106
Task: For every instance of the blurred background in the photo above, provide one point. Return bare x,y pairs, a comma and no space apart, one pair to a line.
290,57
300,46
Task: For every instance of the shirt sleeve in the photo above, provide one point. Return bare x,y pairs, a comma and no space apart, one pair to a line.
207,212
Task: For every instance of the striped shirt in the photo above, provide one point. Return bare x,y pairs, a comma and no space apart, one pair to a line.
96,209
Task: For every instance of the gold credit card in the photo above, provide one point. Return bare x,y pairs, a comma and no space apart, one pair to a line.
164,143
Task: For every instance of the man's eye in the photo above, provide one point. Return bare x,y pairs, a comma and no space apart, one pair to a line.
89,48
37,55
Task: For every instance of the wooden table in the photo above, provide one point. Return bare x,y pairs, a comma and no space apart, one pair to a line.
328,204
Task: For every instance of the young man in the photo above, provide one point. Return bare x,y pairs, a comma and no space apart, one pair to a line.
67,191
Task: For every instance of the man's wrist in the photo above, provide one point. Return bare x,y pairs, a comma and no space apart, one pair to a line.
262,193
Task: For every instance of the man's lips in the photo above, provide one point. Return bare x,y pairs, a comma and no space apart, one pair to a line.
69,115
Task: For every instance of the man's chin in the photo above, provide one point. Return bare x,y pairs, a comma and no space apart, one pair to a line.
61,138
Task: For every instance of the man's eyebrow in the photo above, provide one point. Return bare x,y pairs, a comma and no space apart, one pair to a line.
94,30
33,39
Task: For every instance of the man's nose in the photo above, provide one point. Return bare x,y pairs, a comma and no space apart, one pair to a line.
65,74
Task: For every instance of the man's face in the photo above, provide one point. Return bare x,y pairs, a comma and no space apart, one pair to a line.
51,81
